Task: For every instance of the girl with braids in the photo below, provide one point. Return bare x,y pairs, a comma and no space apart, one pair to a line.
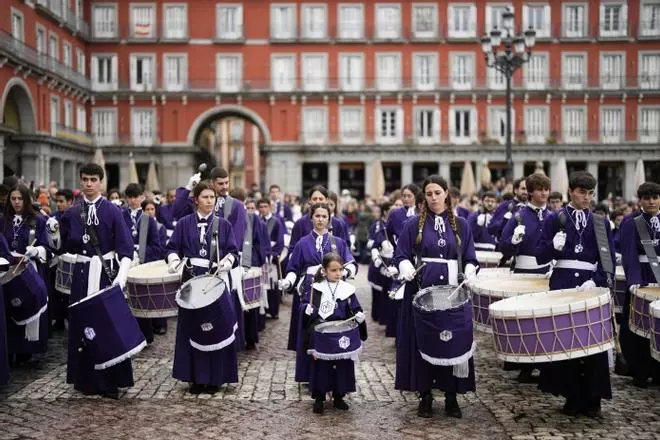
434,237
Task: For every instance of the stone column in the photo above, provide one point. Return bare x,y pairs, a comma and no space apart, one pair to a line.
2,157
406,172
518,169
293,178
629,189
256,166
333,176
60,175
592,168
368,177
444,169
224,144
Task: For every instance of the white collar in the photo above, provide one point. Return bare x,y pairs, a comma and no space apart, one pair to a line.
86,200
269,216
344,289
534,207
206,217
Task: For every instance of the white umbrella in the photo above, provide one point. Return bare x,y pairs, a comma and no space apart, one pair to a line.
152,177
132,170
539,168
100,161
485,176
468,186
377,180
640,174
560,177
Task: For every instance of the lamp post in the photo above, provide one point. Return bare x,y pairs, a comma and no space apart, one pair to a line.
516,51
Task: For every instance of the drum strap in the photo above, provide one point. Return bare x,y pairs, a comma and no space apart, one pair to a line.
647,243
214,240
603,248
94,239
142,241
271,226
246,254
459,249
226,210
32,224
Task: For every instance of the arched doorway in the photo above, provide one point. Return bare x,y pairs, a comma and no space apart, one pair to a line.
17,116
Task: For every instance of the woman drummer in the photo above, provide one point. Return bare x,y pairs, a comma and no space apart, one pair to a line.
305,261
433,237
197,239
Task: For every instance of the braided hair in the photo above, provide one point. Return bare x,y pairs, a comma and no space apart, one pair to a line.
450,210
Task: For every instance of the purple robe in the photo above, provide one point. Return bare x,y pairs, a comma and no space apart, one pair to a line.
260,246
5,254
384,309
463,212
283,211
395,222
480,233
276,236
412,372
501,215
165,216
304,226
526,249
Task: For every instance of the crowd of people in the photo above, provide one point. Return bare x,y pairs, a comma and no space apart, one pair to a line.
414,238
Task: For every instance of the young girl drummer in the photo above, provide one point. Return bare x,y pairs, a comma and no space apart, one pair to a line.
331,299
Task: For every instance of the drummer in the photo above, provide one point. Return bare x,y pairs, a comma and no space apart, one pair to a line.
376,236
506,209
275,228
636,349
569,237
280,208
197,239
399,215
5,258
480,220
431,238
455,195
555,201
165,212
58,302
151,208
91,275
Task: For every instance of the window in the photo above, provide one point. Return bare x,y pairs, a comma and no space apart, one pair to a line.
230,22
351,124
53,47
81,62
41,40
388,71
574,68
425,21
229,73
497,124
536,71
462,71
462,125
54,114
650,22
351,72
283,76
649,71
427,125
17,30
425,71
496,79
104,72
536,124
283,22
314,125
313,22
176,22
105,21
143,21
538,18
649,124
574,124
611,124
66,54
351,22
389,125
462,21
175,72
104,126
143,126
81,119
612,68
613,20
143,69
68,114
494,16
314,72
575,21
388,22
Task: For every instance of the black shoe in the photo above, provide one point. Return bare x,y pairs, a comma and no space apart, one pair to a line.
451,406
160,330
250,346
114,395
196,388
570,408
425,408
339,403
59,325
640,382
526,376
211,389
594,412
319,405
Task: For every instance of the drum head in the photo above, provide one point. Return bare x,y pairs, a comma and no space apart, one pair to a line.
510,285
147,273
335,327
654,309
253,272
649,293
491,257
200,292
14,271
440,298
620,274
550,303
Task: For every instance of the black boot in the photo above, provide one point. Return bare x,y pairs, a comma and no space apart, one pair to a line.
338,401
451,406
319,405
526,376
570,407
425,405
196,388
640,381
593,409
211,389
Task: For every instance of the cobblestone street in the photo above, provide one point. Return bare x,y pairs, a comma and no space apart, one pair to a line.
268,403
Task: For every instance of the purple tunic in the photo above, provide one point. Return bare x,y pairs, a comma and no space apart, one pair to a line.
384,309
480,233
463,212
526,249
501,216
395,222
283,212
260,249
4,353
165,216
304,226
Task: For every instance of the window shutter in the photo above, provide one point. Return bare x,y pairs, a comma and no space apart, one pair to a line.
489,21
450,18
624,19
547,20
436,125
473,124
525,19
113,71
133,66
399,124
239,20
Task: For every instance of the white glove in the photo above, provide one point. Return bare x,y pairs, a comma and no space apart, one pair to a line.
391,271
289,226
193,181
173,266
559,240
633,288
618,257
135,255
309,310
518,234
375,257
118,202
481,219
52,225
225,265
359,317
31,252
284,284
508,215
470,271
386,249
406,270
122,274
589,284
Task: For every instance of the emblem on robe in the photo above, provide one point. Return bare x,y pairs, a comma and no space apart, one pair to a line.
326,307
16,302
207,327
89,333
344,342
446,335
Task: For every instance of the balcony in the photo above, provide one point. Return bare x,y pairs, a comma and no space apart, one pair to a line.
71,134
39,62
58,11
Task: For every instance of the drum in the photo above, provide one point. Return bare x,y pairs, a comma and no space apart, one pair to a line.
619,290
64,273
494,272
251,288
552,326
443,326
654,310
206,313
26,295
151,290
488,259
640,300
108,330
336,340
487,290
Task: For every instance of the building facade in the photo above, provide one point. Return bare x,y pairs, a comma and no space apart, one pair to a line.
323,90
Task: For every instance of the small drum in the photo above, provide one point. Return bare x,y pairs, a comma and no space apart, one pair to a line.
64,273
488,259
640,300
206,313
26,295
494,272
151,290
107,328
654,310
251,288
552,326
486,290
443,326
619,290
336,340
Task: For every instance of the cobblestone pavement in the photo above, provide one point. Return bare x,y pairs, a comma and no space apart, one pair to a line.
267,403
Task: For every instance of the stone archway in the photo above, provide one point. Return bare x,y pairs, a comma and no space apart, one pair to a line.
17,101
225,111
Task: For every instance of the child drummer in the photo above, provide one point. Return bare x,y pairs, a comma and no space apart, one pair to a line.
331,299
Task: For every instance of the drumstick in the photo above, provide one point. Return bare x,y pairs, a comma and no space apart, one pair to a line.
392,294
335,323
457,288
24,257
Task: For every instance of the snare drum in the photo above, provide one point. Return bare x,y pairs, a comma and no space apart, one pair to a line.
552,326
619,289
251,298
336,340
654,310
640,300
107,328
64,273
152,290
443,326
26,295
488,259
487,290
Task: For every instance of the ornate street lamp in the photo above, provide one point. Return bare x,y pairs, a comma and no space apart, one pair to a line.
506,52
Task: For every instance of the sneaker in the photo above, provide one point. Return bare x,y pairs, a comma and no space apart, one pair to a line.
425,408
160,330
451,406
319,406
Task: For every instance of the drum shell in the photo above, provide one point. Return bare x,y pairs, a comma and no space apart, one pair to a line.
654,309
619,290
153,296
488,259
252,290
210,328
25,294
342,344
64,273
640,300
